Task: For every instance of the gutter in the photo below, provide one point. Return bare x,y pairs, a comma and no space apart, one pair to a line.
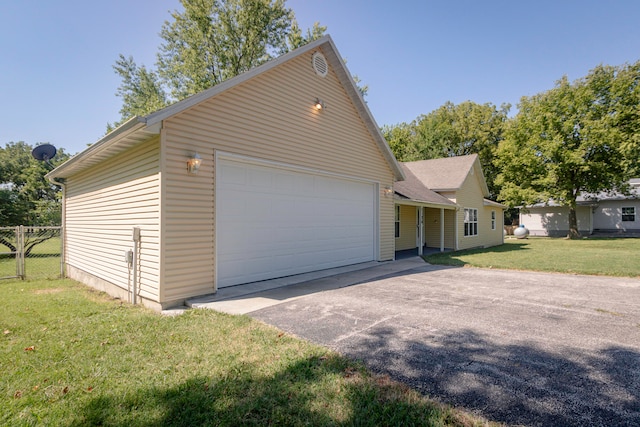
127,128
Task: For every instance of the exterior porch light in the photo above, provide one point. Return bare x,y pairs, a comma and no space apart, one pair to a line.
319,104
388,191
193,164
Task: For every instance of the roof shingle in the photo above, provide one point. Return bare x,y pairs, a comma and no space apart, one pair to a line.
443,174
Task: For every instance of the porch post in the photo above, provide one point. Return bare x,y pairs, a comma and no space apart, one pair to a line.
441,230
420,239
455,229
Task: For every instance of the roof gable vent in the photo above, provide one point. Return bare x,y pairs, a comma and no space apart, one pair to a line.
320,64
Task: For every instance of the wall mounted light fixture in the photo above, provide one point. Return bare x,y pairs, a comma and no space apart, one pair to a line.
193,164
319,104
388,191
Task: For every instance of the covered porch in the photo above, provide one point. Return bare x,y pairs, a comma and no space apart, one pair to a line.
423,227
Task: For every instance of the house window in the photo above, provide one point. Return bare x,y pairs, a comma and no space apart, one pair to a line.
470,222
397,221
629,214
493,220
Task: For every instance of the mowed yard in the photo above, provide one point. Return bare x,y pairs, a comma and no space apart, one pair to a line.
73,356
599,256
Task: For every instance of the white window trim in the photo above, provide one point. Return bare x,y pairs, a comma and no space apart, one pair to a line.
397,222
471,218
633,208
493,220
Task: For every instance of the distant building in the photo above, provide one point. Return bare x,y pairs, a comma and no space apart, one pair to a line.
613,213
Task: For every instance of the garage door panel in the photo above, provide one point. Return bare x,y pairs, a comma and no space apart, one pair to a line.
273,222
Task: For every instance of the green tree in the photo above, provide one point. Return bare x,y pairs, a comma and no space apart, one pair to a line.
26,196
140,90
402,141
296,39
207,43
452,130
577,137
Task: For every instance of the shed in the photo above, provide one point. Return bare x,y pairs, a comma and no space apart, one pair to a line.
294,176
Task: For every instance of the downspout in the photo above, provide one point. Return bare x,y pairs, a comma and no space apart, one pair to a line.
63,220
135,255
502,221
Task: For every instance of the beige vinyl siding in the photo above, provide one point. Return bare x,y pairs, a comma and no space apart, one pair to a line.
491,237
187,227
470,195
408,221
103,204
432,228
387,225
270,117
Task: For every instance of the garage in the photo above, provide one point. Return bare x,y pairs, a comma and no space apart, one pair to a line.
274,221
246,181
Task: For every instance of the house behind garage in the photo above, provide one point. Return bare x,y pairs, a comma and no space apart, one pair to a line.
283,187
443,204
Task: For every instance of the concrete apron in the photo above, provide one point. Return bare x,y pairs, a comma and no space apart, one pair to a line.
243,299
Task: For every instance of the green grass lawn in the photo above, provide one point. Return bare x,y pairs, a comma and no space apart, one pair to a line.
74,357
600,256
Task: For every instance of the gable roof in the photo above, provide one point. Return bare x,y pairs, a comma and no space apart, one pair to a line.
414,189
448,173
138,129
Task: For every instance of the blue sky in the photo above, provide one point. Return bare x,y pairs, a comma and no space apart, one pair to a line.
57,84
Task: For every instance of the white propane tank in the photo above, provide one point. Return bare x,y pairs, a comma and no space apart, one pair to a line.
521,232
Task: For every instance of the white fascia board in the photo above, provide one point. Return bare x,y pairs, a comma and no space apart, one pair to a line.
412,202
487,202
126,129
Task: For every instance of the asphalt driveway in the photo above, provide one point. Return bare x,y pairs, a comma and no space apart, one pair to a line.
520,348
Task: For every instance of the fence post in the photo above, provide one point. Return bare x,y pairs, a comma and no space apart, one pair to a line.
20,270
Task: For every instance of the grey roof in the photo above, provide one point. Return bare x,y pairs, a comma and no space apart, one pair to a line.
592,199
488,202
139,129
613,195
414,189
445,174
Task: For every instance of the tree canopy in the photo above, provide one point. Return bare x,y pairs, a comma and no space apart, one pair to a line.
452,130
208,42
577,137
26,197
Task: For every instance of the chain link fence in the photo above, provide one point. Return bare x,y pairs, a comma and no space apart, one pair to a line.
30,252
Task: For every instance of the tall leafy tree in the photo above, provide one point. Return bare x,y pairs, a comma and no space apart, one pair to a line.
206,43
297,39
211,41
141,90
26,197
452,130
402,140
577,137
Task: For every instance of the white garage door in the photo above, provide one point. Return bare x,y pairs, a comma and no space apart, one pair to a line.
273,222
